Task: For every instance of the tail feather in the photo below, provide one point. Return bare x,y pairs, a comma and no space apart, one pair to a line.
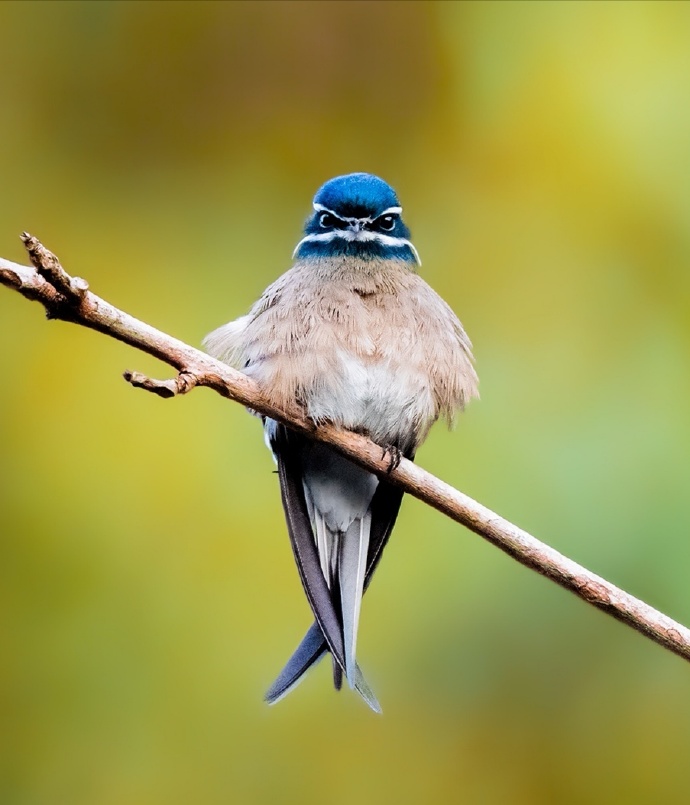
309,652
365,691
354,548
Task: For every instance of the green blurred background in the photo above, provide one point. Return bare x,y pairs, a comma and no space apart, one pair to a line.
168,152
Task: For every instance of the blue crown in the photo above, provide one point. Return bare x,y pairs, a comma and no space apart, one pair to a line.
357,215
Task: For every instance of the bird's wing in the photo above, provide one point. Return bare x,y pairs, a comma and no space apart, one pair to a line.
384,512
312,648
385,506
286,449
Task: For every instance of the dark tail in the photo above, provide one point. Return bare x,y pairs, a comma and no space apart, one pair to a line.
385,507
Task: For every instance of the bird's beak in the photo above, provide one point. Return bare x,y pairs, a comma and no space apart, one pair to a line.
356,226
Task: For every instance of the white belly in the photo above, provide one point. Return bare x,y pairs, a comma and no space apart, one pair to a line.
383,397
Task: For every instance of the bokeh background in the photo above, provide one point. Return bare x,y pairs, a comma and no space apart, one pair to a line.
168,152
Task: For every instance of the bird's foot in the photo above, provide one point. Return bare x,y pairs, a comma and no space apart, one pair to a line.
394,455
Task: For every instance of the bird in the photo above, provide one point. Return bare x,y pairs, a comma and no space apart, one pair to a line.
355,337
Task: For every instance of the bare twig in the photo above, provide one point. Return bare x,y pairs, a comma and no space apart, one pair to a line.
184,382
68,298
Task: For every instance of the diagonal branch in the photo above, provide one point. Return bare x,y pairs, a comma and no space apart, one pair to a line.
68,298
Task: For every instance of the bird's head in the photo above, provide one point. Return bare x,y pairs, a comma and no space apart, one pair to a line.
356,215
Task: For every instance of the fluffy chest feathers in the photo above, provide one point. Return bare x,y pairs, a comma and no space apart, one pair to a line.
368,345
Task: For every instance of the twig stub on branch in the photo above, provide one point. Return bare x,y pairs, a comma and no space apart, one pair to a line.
184,382
48,266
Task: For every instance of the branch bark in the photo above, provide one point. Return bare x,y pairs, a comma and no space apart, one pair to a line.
68,298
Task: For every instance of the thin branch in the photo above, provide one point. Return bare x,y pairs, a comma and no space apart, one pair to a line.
68,298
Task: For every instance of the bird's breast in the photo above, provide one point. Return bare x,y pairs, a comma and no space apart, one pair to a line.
374,350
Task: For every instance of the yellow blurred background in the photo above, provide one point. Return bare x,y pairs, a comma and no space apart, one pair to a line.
168,152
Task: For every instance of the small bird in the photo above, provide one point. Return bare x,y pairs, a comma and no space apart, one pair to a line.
353,335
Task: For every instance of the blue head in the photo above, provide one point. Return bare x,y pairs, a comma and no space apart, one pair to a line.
356,215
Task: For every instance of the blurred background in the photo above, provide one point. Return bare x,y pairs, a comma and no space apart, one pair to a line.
168,152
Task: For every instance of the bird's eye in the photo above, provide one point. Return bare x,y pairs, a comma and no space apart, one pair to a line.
326,220
387,223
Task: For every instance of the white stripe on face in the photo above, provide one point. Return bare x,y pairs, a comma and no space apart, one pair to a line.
361,236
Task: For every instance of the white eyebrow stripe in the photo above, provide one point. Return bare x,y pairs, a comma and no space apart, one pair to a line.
321,208
362,236
369,220
390,211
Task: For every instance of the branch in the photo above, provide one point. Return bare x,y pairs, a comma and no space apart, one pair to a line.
68,298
